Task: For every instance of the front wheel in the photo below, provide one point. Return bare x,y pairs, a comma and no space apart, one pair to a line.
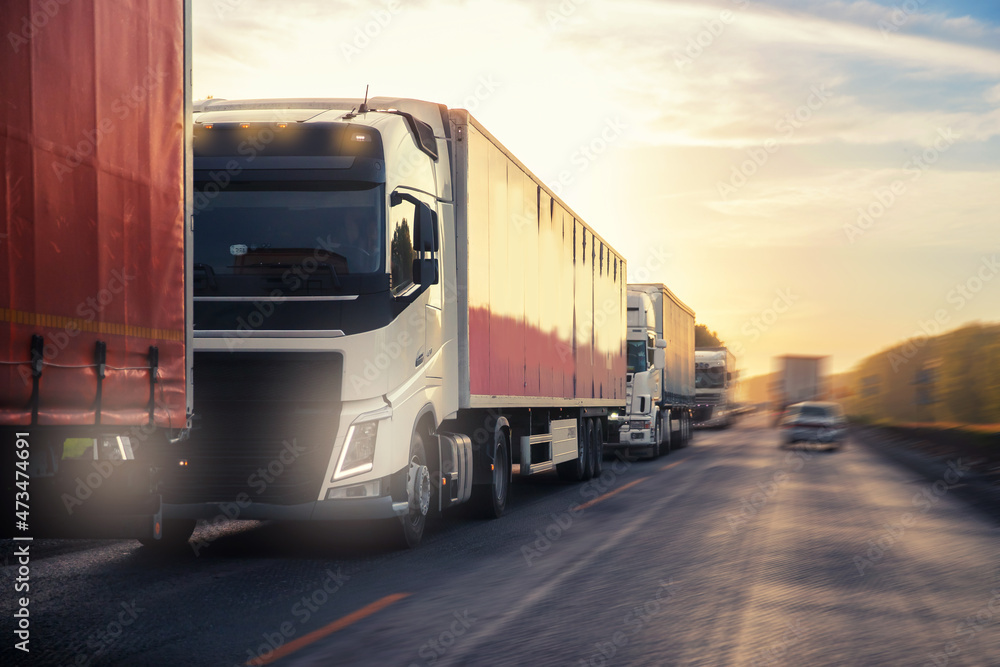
418,495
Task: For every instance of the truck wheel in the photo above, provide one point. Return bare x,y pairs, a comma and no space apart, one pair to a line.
668,443
174,537
588,449
490,499
418,494
574,471
597,448
657,448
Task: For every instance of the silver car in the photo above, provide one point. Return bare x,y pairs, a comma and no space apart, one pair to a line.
818,422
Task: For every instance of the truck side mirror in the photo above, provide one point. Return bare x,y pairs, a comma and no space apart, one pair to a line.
425,229
661,343
659,357
425,271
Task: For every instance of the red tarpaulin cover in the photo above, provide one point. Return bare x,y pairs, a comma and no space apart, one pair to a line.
92,245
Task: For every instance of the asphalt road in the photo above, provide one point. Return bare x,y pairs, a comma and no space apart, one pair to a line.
730,552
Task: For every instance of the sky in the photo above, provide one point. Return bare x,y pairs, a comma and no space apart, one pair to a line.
810,176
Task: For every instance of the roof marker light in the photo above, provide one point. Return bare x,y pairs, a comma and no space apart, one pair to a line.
208,126
282,124
244,125
361,137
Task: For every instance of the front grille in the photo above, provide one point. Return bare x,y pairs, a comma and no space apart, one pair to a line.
264,426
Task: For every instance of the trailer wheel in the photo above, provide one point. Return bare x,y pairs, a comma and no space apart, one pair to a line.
576,470
597,448
490,500
588,449
685,431
174,537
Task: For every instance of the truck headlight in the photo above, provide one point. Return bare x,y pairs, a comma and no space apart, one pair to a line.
358,455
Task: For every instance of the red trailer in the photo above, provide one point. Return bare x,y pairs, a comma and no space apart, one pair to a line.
94,379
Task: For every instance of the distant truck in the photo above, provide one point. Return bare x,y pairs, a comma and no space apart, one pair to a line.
715,387
391,312
94,373
659,391
800,378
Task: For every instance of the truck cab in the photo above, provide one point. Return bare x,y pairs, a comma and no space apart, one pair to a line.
318,307
644,424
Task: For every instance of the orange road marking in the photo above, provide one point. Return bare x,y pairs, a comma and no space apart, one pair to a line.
671,465
339,624
609,494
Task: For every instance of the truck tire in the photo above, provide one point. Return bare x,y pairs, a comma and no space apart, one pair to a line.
574,471
410,526
174,537
588,456
657,447
597,448
490,500
668,443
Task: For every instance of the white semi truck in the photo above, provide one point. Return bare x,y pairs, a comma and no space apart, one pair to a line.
659,392
800,378
391,314
715,387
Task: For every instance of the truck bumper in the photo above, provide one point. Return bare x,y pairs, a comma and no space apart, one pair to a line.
632,438
342,509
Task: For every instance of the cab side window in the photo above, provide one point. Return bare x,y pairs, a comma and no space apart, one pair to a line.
401,252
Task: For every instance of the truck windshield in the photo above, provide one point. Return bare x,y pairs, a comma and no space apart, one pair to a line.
636,356
710,378
287,236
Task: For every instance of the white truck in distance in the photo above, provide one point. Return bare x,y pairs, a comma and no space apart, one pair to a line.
715,387
370,339
800,378
659,391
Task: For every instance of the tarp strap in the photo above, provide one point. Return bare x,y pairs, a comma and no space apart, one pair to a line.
100,360
154,363
37,364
